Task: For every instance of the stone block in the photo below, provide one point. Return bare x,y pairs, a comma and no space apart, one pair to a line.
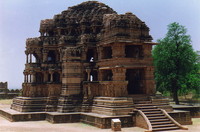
116,125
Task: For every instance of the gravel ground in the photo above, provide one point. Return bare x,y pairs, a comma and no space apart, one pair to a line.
44,126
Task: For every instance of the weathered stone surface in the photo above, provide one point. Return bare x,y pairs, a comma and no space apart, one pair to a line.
116,125
86,51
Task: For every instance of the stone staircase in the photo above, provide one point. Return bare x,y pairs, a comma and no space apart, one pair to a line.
157,119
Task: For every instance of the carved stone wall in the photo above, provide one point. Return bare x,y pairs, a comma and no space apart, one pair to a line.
87,42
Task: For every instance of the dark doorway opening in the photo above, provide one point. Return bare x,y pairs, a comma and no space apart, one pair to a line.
133,51
39,78
90,55
107,75
51,57
135,81
56,77
107,53
93,76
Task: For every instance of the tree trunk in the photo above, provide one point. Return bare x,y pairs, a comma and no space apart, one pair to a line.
175,91
175,95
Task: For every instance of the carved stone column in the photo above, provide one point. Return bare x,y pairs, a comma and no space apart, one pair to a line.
45,55
88,74
33,76
26,58
100,52
45,76
51,73
149,80
25,77
30,58
100,75
30,78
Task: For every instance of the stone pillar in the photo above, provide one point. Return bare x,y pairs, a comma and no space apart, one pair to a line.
100,54
88,74
26,58
60,76
25,77
45,55
149,80
51,73
33,77
100,75
30,58
30,77
45,76
39,57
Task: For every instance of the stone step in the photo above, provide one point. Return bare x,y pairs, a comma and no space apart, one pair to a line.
158,120
114,106
152,115
141,105
157,117
166,128
152,112
143,102
146,107
163,125
161,122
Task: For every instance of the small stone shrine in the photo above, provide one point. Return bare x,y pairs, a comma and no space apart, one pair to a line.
91,60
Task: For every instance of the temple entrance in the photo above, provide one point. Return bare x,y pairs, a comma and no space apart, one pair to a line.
135,81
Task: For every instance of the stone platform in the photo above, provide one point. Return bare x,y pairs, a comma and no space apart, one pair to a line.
14,116
97,120
194,110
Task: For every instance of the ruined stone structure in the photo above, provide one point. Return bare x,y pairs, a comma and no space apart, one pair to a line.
87,51
3,87
89,59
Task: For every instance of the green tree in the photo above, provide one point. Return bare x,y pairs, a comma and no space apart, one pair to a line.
175,62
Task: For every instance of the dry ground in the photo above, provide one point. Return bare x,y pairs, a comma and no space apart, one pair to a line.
44,126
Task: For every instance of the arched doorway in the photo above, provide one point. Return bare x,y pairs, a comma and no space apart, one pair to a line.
135,78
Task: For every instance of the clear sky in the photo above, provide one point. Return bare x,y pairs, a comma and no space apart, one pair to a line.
20,19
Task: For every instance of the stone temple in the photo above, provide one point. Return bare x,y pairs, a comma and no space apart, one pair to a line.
91,65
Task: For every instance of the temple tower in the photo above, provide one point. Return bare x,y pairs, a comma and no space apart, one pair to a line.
86,52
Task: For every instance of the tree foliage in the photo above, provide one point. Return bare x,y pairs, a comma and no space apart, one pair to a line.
175,62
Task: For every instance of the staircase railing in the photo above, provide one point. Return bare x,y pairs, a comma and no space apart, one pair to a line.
175,122
147,121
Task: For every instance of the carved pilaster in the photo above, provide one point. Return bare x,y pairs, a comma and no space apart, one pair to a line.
45,55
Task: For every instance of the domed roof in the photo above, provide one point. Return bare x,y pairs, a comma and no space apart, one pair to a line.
89,11
87,22
86,11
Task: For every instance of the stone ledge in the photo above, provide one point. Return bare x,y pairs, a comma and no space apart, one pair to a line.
97,120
